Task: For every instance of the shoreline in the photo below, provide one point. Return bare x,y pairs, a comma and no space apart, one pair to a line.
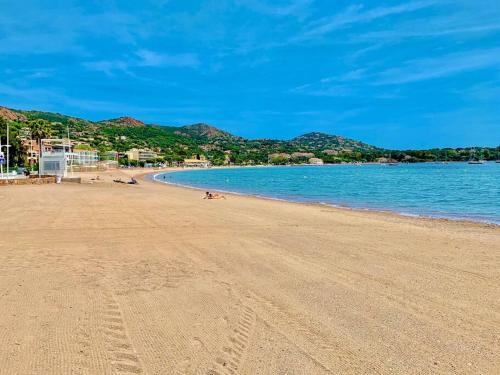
151,177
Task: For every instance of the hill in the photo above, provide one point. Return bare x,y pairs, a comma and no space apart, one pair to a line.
51,117
122,121
204,131
173,143
323,141
11,115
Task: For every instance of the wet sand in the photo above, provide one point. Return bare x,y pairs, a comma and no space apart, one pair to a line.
108,278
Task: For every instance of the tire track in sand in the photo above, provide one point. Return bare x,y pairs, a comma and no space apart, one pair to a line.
233,354
84,342
124,358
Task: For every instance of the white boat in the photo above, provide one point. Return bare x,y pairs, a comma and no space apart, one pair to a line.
392,163
474,160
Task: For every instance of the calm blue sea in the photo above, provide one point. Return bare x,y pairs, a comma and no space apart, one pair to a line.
454,190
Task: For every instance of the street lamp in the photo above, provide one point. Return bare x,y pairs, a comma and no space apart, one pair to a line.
2,158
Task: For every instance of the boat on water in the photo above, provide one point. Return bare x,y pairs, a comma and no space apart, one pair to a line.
445,159
473,159
391,162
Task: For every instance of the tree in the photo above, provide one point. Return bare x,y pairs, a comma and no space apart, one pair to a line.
15,150
40,129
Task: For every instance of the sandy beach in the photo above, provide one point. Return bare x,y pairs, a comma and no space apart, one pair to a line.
102,278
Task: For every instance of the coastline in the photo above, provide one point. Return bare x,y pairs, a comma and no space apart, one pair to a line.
152,177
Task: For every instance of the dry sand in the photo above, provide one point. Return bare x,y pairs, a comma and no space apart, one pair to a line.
104,278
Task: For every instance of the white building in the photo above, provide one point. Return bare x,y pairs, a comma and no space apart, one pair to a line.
57,155
84,157
54,157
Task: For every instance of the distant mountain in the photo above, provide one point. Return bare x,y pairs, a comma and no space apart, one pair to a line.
11,115
205,131
51,117
323,141
123,121
176,143
173,143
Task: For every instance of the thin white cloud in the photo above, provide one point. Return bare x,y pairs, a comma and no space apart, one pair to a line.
295,7
108,67
59,28
352,75
144,58
431,68
324,90
30,73
155,59
356,14
421,32
52,99
339,85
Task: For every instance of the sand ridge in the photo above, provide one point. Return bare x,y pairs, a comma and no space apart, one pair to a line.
106,278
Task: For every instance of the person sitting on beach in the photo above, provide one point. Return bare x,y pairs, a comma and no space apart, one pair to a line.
209,195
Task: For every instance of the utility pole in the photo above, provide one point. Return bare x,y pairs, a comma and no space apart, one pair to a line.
39,157
2,154
2,160
31,152
71,154
8,147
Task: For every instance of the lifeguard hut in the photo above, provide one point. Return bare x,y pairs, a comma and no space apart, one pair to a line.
55,157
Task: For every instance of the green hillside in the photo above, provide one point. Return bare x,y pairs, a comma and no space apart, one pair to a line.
220,147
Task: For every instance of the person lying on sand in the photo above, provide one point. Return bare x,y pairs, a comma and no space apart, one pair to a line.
209,195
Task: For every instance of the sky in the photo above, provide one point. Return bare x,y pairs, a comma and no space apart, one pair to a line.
396,74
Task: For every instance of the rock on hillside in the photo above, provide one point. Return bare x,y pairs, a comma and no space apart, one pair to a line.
11,115
205,131
123,121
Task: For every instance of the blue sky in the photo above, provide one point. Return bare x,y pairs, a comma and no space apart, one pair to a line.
400,74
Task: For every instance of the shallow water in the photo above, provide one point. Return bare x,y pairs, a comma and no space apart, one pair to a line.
454,190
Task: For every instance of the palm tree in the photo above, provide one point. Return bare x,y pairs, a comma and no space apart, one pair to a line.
40,129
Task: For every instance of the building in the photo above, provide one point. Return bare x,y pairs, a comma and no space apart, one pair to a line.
141,155
84,157
199,161
58,156
31,150
110,155
55,157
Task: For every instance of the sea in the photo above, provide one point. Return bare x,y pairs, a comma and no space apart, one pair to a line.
452,190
